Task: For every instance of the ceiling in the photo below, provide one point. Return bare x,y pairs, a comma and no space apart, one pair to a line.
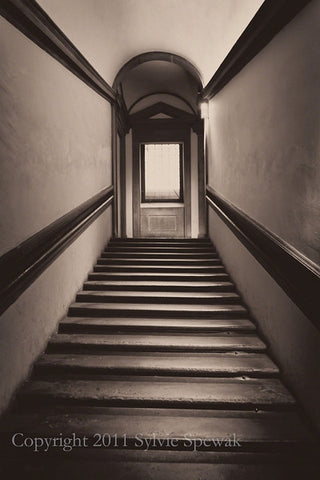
158,76
110,32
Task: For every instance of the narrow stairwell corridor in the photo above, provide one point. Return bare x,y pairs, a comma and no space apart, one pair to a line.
159,353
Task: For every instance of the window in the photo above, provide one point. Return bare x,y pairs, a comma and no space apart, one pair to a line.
161,172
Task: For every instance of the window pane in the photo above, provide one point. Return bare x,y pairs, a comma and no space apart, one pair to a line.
162,172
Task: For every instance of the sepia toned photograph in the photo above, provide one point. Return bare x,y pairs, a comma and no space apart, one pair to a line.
160,239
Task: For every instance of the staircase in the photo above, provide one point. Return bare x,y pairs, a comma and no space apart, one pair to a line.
158,353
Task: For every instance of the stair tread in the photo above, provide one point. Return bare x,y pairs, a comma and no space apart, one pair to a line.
144,283
193,392
144,275
160,307
249,426
169,260
184,363
160,295
117,253
223,341
161,322
164,267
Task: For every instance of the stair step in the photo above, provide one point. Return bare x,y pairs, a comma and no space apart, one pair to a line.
143,463
168,277
144,254
160,261
156,297
96,325
157,286
156,342
185,364
163,249
161,241
80,309
253,429
159,268
163,392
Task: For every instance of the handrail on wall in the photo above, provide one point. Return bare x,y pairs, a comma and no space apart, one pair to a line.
21,266
298,276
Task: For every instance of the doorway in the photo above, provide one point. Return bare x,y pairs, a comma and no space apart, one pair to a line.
162,196
161,182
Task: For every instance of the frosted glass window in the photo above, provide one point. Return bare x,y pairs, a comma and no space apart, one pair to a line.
161,172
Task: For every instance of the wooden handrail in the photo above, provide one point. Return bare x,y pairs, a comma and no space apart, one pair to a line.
298,276
20,267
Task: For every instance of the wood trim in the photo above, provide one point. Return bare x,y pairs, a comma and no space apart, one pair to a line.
28,17
123,190
162,107
161,93
269,20
115,170
22,265
298,276
201,186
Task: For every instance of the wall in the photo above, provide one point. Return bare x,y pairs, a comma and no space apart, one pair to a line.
55,154
263,147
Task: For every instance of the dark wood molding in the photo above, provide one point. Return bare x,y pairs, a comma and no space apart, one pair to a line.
28,17
123,187
21,266
170,94
298,276
162,107
122,118
180,118
201,185
269,20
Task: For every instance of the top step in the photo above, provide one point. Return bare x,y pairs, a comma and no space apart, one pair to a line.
161,240
151,247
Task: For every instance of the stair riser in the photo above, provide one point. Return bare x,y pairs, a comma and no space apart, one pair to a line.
55,373
37,402
108,298
160,288
173,256
146,249
165,278
156,269
105,349
76,311
142,261
96,329
161,241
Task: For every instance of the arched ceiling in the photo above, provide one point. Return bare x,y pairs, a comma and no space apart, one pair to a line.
158,77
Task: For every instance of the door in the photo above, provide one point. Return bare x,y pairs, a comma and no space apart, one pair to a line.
161,183
162,210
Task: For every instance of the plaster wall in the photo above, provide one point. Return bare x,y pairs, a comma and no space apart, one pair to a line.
263,156
55,154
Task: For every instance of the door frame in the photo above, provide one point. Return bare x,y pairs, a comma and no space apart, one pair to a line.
161,131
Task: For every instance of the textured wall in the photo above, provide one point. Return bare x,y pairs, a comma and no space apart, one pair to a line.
55,150
264,135
55,154
294,341
263,146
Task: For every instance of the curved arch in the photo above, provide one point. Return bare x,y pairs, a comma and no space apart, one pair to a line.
163,56
161,93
